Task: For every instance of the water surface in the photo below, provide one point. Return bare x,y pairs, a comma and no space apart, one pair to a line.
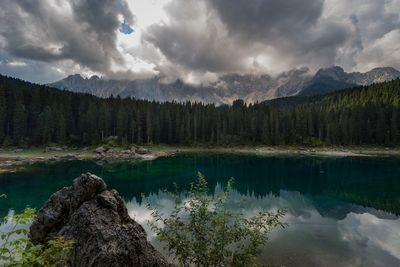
341,211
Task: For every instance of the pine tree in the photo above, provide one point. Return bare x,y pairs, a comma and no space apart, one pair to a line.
61,129
3,113
394,127
149,126
19,122
47,120
121,124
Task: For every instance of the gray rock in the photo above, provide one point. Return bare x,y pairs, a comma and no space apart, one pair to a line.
131,151
101,150
141,150
69,157
54,158
98,221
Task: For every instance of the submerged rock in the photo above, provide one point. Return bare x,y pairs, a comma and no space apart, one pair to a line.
98,221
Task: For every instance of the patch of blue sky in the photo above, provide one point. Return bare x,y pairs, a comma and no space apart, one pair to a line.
126,28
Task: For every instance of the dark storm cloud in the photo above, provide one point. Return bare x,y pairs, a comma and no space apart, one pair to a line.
83,31
318,33
235,32
193,38
268,19
206,52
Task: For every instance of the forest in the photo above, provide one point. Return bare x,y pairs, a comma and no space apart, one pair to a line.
35,115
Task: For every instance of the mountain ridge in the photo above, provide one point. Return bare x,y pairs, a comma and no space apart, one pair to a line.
229,87
334,78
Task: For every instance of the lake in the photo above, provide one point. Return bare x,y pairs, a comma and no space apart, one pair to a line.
341,211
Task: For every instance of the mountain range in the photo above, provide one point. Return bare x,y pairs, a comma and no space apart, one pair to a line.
250,88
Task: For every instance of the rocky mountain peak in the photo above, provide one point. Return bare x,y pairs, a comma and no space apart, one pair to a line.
335,78
95,78
376,75
74,77
334,72
387,72
384,70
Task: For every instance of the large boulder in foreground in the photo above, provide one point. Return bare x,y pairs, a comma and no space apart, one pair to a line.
98,221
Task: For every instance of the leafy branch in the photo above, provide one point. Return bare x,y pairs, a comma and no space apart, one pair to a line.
202,231
17,250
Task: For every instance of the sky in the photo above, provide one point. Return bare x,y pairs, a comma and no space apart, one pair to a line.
194,40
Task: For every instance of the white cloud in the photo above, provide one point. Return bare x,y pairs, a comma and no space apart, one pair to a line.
17,64
380,52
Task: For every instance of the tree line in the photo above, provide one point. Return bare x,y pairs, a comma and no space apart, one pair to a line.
33,114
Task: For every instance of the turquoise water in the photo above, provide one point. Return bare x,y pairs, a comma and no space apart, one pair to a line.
341,211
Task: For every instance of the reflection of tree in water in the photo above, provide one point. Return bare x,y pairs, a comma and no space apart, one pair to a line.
371,182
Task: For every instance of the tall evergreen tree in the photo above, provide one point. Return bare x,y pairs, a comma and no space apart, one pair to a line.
3,114
19,122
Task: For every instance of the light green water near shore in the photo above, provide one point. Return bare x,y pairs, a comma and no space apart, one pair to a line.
341,211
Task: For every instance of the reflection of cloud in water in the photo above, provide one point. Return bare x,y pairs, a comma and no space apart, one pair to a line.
358,237
365,233
8,225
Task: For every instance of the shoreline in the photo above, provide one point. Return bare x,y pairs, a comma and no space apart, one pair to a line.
12,160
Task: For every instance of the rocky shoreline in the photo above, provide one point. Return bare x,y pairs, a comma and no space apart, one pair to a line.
14,159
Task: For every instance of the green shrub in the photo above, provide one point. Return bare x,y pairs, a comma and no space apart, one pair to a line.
202,231
111,141
17,250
